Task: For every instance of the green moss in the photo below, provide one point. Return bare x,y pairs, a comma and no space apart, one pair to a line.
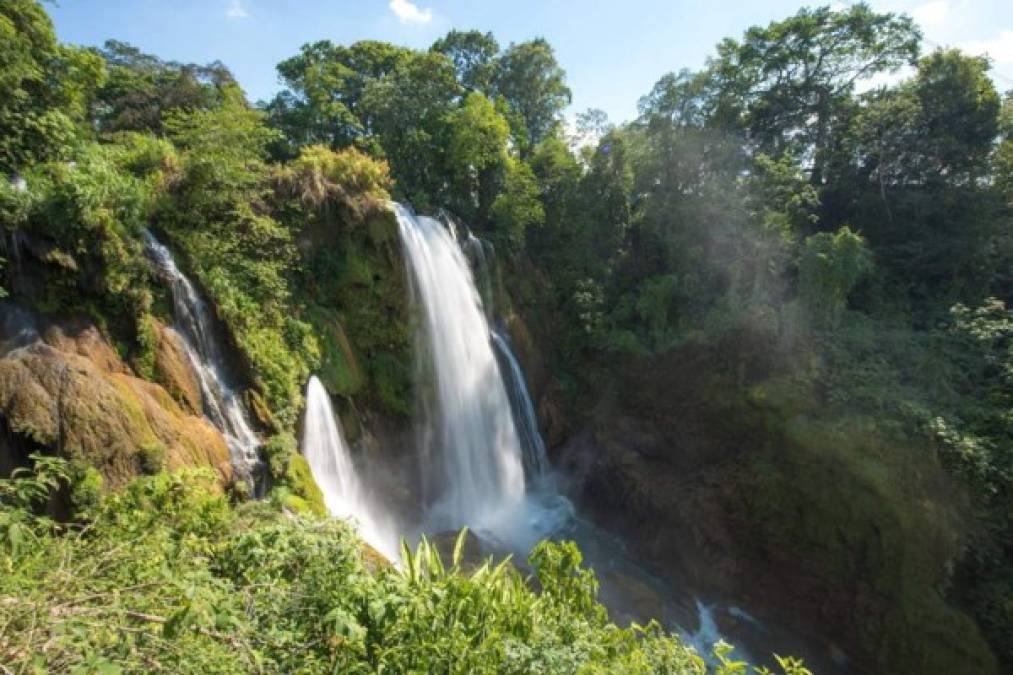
339,369
152,457
354,288
278,450
147,346
295,486
391,375
300,481
853,504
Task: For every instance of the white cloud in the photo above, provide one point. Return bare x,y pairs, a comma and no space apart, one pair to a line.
409,12
999,49
932,14
236,10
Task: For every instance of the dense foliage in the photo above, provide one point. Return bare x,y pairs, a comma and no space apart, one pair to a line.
165,576
854,241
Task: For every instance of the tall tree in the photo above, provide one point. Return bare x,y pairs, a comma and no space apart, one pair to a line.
47,87
533,84
476,156
907,171
474,56
325,84
787,83
406,111
142,88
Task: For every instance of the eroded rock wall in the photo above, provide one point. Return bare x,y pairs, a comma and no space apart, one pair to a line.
65,389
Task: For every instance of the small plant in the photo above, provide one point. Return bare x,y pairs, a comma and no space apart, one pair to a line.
24,492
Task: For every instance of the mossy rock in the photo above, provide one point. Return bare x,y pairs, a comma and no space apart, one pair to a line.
172,369
302,486
339,368
355,294
867,517
834,520
73,395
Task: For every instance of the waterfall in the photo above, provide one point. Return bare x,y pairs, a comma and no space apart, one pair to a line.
536,462
330,461
218,396
481,257
473,467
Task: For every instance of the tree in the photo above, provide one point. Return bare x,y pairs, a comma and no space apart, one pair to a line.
473,54
406,111
908,172
830,266
1003,159
476,155
534,86
141,88
558,174
325,84
786,84
46,87
959,114
517,207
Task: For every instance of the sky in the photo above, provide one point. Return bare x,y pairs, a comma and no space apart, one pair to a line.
613,51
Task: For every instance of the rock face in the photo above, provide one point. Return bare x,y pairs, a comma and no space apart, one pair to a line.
63,388
721,481
173,370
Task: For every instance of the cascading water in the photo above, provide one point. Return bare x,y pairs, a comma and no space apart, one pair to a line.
330,461
193,326
481,435
474,471
536,462
482,257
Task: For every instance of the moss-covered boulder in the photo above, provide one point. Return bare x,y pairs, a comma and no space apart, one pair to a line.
68,391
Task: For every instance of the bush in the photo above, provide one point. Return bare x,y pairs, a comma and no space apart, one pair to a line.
167,577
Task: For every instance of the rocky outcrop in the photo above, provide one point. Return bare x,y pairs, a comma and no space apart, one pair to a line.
64,388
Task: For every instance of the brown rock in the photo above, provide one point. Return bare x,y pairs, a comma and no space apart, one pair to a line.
73,394
174,371
81,337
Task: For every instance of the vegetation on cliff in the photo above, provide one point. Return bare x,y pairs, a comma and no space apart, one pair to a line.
844,253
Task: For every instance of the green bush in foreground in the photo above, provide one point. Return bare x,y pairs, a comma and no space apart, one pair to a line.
166,576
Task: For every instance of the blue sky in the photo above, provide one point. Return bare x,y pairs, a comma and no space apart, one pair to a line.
613,51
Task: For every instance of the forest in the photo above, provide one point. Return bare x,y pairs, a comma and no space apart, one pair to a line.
765,325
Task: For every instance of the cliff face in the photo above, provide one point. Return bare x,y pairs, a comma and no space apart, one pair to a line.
736,484
65,389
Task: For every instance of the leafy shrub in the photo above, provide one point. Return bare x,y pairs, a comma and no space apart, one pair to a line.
167,577
319,176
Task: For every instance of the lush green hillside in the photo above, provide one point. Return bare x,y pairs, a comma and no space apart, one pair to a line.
791,295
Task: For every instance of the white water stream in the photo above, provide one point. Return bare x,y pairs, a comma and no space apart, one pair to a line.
219,398
325,449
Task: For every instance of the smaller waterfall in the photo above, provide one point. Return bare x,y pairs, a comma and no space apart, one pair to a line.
327,453
536,462
193,325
